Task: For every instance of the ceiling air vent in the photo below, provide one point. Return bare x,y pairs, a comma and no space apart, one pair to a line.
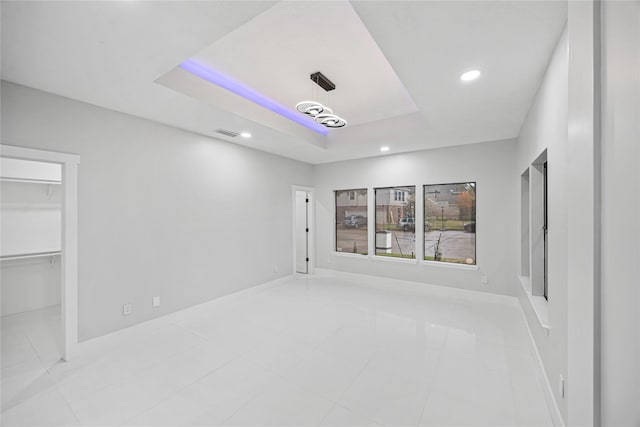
227,132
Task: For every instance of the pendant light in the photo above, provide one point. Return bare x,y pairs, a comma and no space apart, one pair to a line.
322,115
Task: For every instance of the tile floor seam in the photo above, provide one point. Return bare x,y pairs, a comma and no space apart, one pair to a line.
73,412
345,404
127,380
326,415
513,392
179,389
435,369
244,403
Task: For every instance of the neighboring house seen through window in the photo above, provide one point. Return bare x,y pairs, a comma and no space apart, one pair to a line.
351,221
395,222
450,223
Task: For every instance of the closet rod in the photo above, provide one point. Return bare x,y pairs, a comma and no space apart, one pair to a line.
31,181
27,256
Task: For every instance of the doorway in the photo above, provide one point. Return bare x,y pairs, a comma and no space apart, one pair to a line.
40,247
302,229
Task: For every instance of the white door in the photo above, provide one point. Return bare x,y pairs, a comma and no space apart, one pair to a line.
302,232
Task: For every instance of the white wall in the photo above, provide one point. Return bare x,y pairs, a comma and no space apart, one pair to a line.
30,284
620,303
161,211
546,127
490,164
31,218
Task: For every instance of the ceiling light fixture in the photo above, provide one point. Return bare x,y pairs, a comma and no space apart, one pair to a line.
385,148
245,135
322,115
470,75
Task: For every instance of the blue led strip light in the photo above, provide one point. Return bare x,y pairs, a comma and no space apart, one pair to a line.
239,89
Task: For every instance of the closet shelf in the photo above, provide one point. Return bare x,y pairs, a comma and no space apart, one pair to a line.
31,181
30,255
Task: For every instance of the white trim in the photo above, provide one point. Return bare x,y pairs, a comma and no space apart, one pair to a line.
552,405
96,345
69,258
22,153
310,223
394,259
349,255
456,266
419,225
419,288
539,305
371,214
583,235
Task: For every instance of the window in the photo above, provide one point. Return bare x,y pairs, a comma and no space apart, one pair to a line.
534,236
395,223
351,221
524,224
399,196
450,223
538,225
545,226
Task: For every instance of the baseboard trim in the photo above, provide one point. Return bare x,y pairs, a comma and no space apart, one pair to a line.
552,405
420,288
91,345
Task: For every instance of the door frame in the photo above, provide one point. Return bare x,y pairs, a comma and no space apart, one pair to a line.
310,223
69,257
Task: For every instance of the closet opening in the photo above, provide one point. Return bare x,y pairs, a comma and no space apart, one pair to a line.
30,253
38,255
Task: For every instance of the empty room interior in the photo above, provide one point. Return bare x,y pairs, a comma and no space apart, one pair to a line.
320,213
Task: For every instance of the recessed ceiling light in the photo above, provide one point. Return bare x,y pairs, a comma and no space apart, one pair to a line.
470,75
245,135
385,148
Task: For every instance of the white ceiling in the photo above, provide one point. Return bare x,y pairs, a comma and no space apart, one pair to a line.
396,66
327,37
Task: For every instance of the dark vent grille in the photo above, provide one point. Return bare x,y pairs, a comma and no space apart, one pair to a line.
228,133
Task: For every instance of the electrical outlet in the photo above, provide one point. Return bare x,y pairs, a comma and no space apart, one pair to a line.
484,279
155,302
561,386
127,309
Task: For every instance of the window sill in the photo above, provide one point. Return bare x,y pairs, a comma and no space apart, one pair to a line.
539,304
453,265
394,259
349,255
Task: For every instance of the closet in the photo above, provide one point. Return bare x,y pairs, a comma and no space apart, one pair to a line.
30,254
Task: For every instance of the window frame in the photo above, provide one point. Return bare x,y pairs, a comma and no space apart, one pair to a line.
399,195
349,192
534,278
474,265
545,229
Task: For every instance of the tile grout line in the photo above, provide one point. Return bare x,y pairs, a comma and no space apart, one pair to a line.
55,382
435,369
155,405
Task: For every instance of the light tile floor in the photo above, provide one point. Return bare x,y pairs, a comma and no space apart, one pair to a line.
330,350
